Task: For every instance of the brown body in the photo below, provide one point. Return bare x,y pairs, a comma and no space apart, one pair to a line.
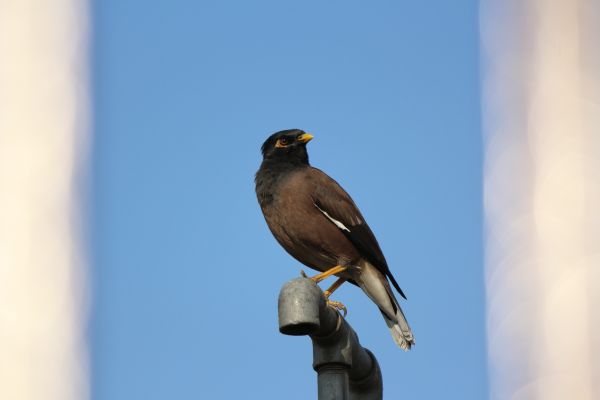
307,229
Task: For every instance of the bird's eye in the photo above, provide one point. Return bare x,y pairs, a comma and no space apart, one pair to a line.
282,141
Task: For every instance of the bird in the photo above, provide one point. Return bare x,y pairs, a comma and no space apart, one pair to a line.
315,220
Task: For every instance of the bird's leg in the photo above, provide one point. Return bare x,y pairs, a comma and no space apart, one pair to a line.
328,273
334,287
335,270
336,304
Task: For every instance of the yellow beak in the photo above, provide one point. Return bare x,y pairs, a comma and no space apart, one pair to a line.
305,138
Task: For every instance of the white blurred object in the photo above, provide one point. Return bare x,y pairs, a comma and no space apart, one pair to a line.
541,107
43,133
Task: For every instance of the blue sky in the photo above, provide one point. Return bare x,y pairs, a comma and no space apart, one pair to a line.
185,273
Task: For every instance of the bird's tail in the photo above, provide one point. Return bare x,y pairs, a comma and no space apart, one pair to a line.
400,330
377,287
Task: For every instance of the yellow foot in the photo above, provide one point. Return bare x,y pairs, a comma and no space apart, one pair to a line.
338,306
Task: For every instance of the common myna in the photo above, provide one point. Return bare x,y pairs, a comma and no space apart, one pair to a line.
317,222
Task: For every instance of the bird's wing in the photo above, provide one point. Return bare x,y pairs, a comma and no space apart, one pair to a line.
337,206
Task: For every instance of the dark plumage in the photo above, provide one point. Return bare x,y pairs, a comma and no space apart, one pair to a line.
317,222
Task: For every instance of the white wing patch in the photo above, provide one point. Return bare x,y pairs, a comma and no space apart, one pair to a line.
335,221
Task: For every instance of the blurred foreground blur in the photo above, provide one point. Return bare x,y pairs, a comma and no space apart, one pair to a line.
43,122
541,109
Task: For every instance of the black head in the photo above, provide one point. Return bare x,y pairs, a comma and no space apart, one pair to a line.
288,145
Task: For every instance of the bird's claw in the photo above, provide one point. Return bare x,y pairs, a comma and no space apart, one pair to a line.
338,306
303,274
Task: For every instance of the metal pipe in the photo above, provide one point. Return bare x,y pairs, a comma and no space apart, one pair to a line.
345,369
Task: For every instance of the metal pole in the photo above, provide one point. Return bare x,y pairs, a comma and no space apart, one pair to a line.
345,370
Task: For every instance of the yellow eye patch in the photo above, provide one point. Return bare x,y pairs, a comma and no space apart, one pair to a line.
283,142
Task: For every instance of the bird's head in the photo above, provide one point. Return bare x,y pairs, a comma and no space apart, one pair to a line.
288,145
